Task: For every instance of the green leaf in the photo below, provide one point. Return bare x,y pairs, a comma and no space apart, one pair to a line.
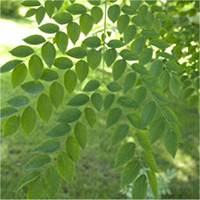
144,140
164,79
128,10
49,75
28,120
110,56
114,87
150,82
18,101
175,85
30,12
78,100
124,154
34,39
145,56
113,12
49,28
161,44
56,93
150,160
36,188
31,3
139,69
115,43
139,44
19,74
21,51
94,58
58,4
171,142
76,9
70,80
130,172
48,52
91,85
44,107
156,129
63,18
173,66
122,23
9,65
48,146
61,40
65,167
156,68
40,14
128,55
90,116
82,70
149,33
72,148
96,14
120,133
108,101
140,94
127,102
27,179
49,7
37,161
95,3
147,113
36,67
140,187
97,101
153,182
86,23
58,131
134,119
159,95
113,117
8,111
52,180
129,81
63,63
129,33
73,30
70,115
92,42
80,131
77,52
118,69
11,126
170,114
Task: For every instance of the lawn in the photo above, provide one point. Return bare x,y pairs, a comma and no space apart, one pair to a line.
95,176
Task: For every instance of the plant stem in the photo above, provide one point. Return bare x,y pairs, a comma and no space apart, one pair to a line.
104,38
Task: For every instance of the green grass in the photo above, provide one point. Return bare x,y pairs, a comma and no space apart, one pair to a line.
95,177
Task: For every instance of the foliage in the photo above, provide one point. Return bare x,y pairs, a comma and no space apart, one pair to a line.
10,8
140,53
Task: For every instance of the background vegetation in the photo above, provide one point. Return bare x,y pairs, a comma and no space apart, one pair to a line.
95,176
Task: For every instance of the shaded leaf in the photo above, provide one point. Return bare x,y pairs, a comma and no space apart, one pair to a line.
70,115
124,154
80,131
72,148
58,130
19,74
113,117
90,116
37,161
48,146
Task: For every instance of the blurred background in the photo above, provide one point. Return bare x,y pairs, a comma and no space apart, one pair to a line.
95,176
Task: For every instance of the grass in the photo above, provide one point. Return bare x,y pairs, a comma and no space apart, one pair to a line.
95,176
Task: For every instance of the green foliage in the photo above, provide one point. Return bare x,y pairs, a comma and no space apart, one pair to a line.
141,78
